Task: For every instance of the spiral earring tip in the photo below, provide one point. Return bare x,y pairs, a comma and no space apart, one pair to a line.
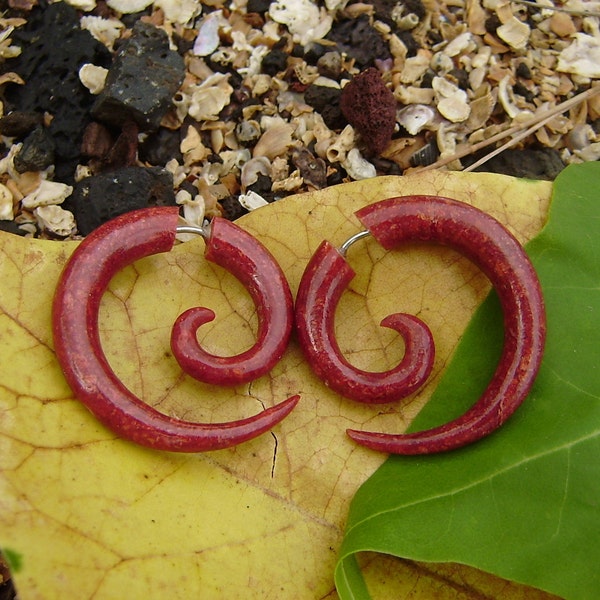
392,444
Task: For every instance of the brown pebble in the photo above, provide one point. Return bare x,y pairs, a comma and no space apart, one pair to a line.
96,141
370,108
562,24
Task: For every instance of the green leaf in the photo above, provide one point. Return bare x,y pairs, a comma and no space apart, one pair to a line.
524,503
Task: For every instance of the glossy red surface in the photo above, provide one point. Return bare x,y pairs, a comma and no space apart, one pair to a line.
84,280
496,251
247,259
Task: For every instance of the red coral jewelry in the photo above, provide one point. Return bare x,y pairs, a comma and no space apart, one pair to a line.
489,245
124,240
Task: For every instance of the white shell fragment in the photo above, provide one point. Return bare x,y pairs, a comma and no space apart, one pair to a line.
85,5
581,57
334,5
338,149
48,193
274,141
506,98
194,211
6,204
55,219
209,98
106,31
93,77
259,165
515,33
357,166
415,117
207,40
251,200
414,67
303,18
452,102
461,43
127,7
179,11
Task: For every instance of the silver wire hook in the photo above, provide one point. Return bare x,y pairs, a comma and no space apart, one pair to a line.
357,236
203,231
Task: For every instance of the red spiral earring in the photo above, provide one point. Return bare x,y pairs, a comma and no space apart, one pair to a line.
84,280
486,242
324,280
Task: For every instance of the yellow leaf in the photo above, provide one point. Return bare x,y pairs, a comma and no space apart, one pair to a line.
92,516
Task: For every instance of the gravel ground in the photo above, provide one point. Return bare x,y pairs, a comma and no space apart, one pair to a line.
222,107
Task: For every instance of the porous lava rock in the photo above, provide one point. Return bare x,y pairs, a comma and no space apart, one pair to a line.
359,40
99,198
141,82
370,108
326,101
54,47
528,163
19,123
37,152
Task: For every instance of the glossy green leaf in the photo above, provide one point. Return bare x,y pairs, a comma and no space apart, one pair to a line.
524,503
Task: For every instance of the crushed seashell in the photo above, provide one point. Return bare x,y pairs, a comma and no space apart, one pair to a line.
289,184
303,18
446,140
581,57
415,117
11,77
193,212
401,150
404,22
55,219
128,7
460,72
262,84
234,160
515,33
178,172
6,204
562,24
179,11
85,5
506,98
341,145
334,5
251,200
48,192
106,31
248,131
452,102
357,166
93,77
589,153
192,148
415,67
441,63
209,98
463,42
581,136
207,40
274,141
260,165
414,95
482,107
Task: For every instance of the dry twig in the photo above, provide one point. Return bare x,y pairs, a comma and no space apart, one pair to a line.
520,131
